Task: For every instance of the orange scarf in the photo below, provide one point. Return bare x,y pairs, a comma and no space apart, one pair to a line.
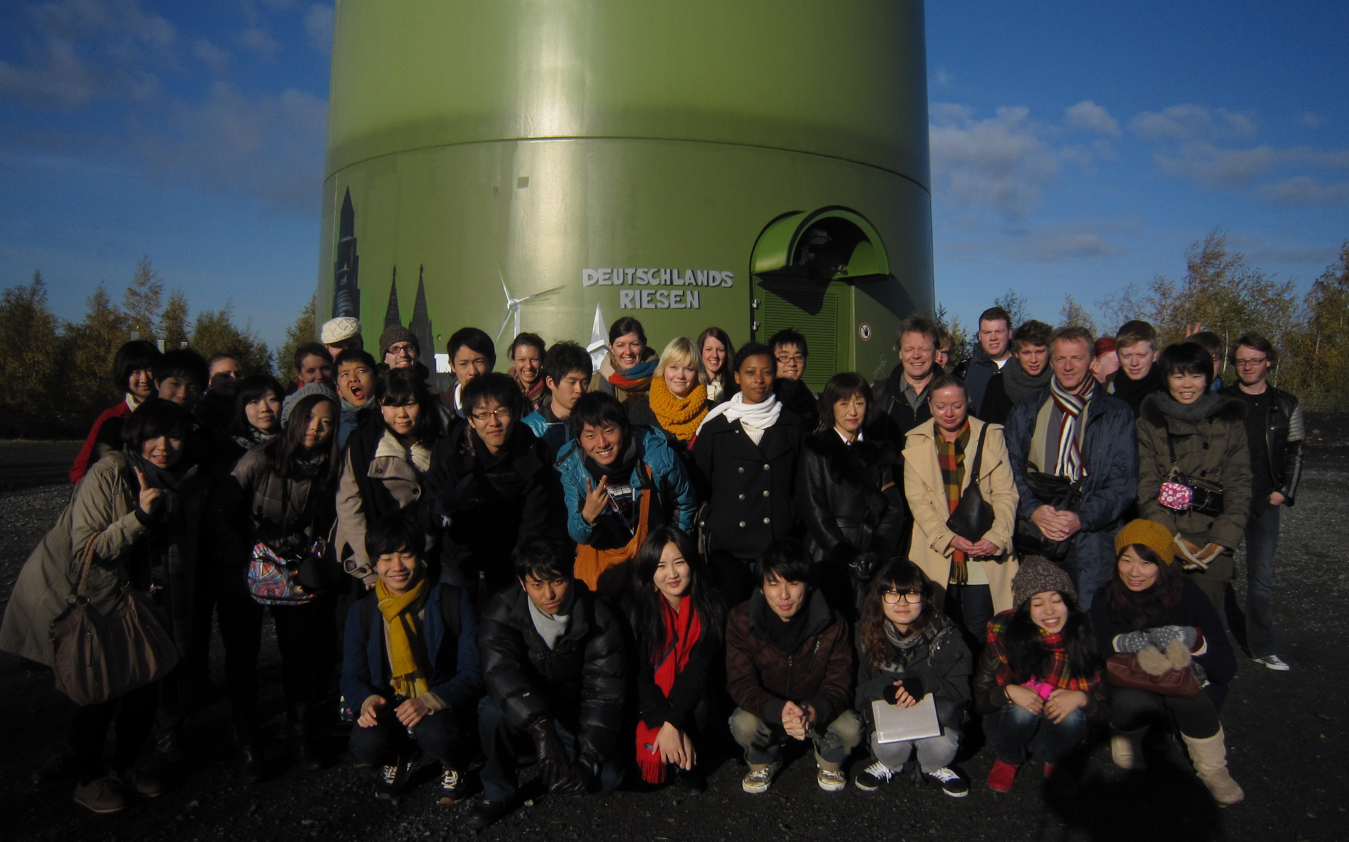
680,416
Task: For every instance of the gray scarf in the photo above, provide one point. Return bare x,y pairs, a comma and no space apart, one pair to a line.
1195,412
1017,383
551,627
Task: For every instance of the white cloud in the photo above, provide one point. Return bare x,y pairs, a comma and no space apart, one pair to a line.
270,147
1184,122
1214,166
1304,190
318,25
1050,246
1089,116
1310,119
1000,163
942,77
258,40
212,56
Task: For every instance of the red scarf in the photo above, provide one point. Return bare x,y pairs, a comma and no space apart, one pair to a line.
682,631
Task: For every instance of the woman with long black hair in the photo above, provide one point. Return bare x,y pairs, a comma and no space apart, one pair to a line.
1039,683
279,499
136,510
678,621
1152,613
385,468
257,414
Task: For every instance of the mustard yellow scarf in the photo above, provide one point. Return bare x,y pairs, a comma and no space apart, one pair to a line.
402,613
681,416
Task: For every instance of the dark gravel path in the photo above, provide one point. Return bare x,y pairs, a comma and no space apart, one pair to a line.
1288,735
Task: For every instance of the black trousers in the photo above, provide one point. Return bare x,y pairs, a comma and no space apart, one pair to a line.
304,634
134,718
440,735
1132,709
736,578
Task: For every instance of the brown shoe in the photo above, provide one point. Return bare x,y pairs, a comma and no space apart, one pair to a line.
140,782
104,795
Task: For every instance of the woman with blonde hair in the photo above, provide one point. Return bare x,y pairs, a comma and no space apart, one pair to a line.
677,402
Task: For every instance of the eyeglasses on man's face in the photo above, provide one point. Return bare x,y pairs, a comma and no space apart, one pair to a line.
501,413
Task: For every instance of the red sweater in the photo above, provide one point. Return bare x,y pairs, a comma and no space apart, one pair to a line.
86,457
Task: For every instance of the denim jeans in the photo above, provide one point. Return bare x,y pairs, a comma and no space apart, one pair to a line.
504,743
1262,540
1014,731
762,741
933,752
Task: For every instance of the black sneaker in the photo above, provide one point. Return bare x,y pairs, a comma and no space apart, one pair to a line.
691,782
873,777
392,779
452,786
952,781
485,813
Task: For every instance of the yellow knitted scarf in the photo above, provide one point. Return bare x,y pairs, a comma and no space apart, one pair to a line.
402,613
680,416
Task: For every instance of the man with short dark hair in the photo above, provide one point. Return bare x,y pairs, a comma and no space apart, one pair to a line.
789,670
1031,372
1275,432
791,352
493,486
554,664
356,387
902,397
1074,455
567,370
1213,343
1138,375
472,354
995,333
181,376
216,408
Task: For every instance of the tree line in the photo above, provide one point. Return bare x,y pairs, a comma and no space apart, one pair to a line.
57,373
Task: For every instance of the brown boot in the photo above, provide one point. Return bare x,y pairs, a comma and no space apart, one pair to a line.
1210,763
1126,748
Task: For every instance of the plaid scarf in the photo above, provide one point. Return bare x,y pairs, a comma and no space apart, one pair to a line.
1069,461
951,460
1059,676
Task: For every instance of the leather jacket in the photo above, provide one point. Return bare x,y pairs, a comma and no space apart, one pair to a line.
1285,431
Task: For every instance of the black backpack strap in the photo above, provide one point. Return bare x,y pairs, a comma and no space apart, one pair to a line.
367,610
449,608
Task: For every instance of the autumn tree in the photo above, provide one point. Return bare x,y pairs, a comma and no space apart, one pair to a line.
142,300
1074,314
302,331
1315,363
173,321
216,333
1016,306
85,387
962,341
28,357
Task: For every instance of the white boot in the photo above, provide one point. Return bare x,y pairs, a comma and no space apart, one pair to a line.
1210,763
1126,748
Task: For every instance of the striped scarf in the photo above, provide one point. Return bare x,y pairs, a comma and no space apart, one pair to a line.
1059,675
1069,461
951,460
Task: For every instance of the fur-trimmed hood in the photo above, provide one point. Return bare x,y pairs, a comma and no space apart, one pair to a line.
1223,409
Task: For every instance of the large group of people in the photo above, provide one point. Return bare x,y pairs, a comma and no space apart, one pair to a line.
591,568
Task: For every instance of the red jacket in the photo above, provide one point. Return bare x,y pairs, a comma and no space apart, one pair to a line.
761,677
88,454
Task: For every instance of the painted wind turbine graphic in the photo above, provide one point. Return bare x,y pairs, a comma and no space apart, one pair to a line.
513,305
599,339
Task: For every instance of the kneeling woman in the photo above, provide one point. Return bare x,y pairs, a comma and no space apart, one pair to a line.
410,663
1153,612
907,650
677,619
1039,684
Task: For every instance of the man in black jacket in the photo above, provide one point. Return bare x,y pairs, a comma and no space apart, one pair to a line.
553,661
493,487
1274,430
902,397
1138,375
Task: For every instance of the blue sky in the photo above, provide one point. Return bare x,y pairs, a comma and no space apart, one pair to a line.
1076,147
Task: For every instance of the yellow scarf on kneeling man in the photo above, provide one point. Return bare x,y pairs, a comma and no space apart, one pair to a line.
407,651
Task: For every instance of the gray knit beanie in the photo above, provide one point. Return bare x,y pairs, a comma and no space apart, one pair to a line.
1037,575
293,400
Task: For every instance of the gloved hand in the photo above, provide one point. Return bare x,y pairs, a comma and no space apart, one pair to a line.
863,567
578,778
1163,635
1178,654
1153,662
1132,641
554,767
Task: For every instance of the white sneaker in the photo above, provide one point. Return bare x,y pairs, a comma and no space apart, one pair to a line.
1273,662
830,780
757,781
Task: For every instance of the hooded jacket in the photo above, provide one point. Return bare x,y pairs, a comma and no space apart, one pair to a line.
762,678
1213,449
581,680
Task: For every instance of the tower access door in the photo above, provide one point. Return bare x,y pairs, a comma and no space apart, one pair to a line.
805,268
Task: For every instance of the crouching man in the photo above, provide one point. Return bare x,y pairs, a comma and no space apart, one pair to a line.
410,661
554,666
789,669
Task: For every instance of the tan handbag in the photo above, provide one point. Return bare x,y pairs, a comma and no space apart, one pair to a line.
97,657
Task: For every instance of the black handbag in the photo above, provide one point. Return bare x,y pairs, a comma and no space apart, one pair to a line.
1051,490
973,516
1203,497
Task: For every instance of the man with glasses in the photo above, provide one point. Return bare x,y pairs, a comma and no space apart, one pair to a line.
398,347
1274,431
493,487
790,351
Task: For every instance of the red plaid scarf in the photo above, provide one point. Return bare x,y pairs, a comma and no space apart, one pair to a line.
1060,677
951,460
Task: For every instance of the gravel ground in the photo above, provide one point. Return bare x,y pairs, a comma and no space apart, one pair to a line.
1288,736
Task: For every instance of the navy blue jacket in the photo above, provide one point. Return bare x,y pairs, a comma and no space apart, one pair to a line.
456,678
